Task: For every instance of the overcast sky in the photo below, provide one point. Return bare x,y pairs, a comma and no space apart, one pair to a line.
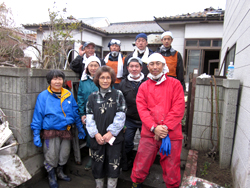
30,11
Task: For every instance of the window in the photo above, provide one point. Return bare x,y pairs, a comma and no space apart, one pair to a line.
98,51
191,42
230,58
193,62
217,43
204,42
207,43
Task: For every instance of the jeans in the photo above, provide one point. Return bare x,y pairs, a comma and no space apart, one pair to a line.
130,134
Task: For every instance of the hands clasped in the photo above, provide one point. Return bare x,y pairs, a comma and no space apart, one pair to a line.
101,140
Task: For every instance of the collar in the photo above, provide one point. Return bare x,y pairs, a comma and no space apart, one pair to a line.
64,93
160,80
164,49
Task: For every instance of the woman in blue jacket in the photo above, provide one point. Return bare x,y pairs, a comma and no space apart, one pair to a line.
55,111
86,87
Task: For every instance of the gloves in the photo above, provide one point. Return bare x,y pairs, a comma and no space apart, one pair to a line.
81,133
165,146
36,138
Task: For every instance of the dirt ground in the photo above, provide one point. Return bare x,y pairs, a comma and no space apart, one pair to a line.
208,169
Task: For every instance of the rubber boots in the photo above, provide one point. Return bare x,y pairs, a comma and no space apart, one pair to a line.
88,165
99,183
112,182
52,179
61,175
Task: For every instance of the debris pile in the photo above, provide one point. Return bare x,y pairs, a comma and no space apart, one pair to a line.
12,169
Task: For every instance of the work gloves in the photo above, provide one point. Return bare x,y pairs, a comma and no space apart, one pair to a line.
165,146
81,133
36,138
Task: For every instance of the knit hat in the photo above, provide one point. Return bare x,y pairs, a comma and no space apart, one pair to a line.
141,35
167,33
137,58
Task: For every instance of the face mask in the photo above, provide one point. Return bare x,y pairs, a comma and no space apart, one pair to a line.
114,53
155,77
135,76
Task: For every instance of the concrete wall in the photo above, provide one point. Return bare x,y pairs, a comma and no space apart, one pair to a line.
237,31
19,89
179,37
227,94
204,30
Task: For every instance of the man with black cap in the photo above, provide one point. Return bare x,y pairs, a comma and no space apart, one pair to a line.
141,51
173,58
129,87
85,51
115,59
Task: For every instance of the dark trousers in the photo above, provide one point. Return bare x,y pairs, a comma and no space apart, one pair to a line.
106,161
130,134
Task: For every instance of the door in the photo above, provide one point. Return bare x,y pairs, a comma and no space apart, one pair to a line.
193,62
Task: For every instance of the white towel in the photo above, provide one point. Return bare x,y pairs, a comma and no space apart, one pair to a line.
145,55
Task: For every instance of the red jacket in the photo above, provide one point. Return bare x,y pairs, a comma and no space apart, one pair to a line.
161,104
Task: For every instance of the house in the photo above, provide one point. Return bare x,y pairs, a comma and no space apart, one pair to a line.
236,48
101,36
198,37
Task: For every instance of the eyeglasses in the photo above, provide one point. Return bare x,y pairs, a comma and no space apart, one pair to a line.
104,78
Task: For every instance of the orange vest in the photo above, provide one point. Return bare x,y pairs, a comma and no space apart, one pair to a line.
114,65
172,64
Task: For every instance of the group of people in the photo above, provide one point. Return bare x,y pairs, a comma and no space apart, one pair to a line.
116,96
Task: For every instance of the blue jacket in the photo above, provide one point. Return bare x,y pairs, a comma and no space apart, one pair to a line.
53,113
86,87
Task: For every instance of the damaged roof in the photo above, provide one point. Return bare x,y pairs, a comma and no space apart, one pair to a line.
209,14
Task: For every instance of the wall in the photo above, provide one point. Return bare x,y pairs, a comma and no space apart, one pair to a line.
227,94
19,89
204,30
179,37
237,31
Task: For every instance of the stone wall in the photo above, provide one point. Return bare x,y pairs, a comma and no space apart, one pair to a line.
19,88
227,93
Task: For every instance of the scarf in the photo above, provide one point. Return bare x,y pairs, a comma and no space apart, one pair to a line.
120,64
137,80
145,55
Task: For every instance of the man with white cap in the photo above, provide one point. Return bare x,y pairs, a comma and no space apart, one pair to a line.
129,87
115,59
85,51
160,103
141,51
173,58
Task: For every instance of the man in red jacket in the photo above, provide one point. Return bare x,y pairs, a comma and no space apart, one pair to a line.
160,103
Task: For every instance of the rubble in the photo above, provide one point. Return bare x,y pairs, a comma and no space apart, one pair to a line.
12,169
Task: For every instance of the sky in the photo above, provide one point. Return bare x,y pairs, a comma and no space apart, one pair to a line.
30,11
